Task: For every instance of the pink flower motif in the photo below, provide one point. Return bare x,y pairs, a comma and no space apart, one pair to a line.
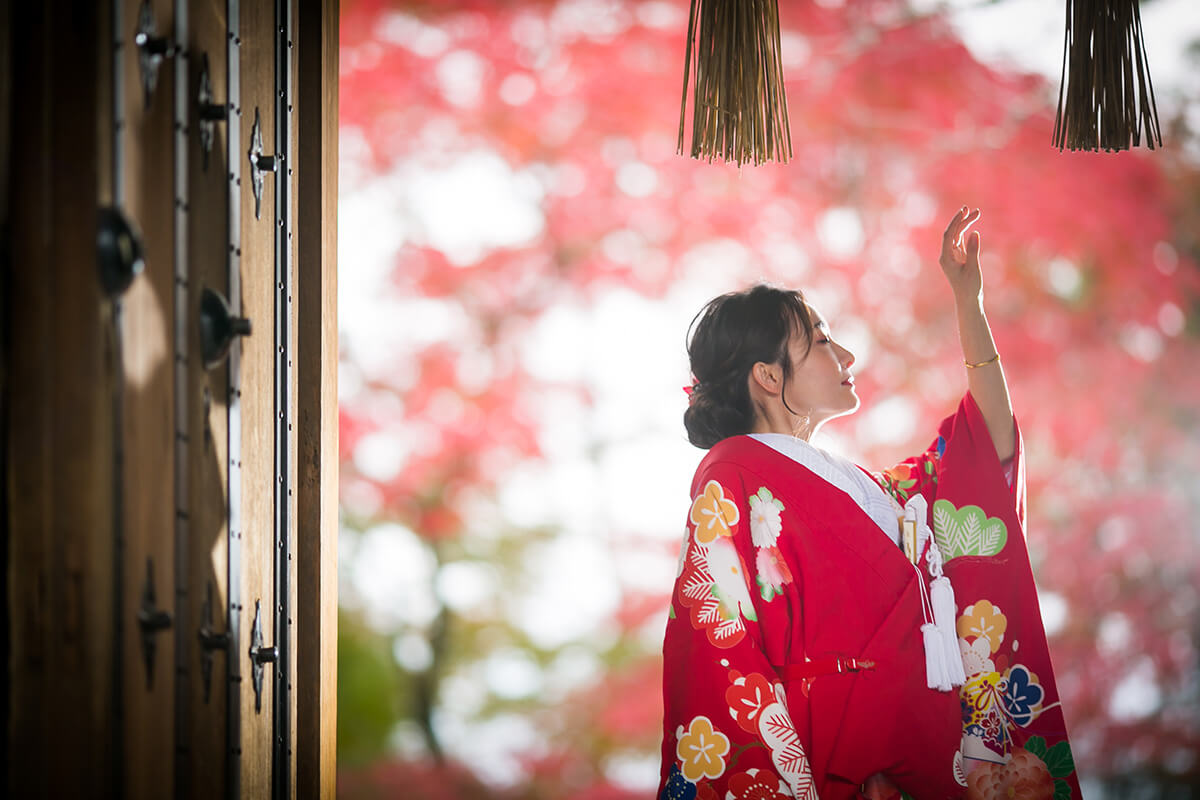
771,567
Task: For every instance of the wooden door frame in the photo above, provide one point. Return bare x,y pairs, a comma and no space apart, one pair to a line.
316,399
66,156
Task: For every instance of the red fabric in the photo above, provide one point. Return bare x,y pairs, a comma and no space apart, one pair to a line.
847,591
1029,752
780,566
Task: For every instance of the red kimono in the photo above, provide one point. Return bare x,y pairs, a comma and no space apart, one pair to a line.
794,664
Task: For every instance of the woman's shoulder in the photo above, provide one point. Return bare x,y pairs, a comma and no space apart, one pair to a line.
738,455
742,449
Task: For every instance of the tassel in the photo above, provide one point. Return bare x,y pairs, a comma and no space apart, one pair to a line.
935,659
1106,96
941,597
739,107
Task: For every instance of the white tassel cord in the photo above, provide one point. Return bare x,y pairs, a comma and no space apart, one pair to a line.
936,674
943,660
941,597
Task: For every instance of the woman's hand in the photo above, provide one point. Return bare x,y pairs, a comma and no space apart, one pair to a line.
960,256
985,379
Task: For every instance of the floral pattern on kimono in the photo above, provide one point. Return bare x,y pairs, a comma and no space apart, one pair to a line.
782,569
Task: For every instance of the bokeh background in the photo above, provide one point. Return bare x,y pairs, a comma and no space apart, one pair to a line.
521,251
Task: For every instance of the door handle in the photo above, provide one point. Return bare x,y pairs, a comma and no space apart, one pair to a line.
118,251
208,113
152,620
152,49
260,163
218,326
211,641
260,655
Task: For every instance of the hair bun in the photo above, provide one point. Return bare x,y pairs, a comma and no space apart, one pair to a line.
730,335
708,419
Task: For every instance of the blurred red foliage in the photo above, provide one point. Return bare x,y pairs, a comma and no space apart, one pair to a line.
1091,274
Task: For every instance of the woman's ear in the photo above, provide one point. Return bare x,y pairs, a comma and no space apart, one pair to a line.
768,377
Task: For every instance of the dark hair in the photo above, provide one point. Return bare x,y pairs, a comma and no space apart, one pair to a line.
726,339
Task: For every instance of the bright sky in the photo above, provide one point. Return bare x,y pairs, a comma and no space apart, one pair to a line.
628,350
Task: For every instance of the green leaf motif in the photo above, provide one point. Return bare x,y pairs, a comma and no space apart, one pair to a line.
764,494
765,589
967,531
1062,790
729,606
1037,746
1059,760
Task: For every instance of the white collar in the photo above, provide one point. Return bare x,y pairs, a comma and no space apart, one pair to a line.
842,474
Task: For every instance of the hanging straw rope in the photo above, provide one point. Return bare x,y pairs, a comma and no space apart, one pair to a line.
739,109
1106,107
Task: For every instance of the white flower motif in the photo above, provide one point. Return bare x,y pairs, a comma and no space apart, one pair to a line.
765,522
683,549
976,656
730,578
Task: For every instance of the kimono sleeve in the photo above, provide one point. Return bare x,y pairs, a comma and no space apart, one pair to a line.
920,474
727,729
916,475
1012,711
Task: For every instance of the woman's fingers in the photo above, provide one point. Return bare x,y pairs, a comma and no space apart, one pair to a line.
952,230
963,220
973,244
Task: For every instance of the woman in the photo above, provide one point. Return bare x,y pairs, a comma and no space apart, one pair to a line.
813,646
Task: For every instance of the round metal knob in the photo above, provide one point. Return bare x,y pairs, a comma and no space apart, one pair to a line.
218,326
118,251
266,655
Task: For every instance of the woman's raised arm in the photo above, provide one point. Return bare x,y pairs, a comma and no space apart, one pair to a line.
985,375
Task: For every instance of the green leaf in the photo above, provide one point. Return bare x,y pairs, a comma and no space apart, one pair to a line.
1059,760
928,467
671,611
765,589
908,484
1062,790
1037,746
966,531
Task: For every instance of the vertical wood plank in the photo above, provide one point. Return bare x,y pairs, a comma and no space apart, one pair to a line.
147,343
57,414
258,384
203,776
317,487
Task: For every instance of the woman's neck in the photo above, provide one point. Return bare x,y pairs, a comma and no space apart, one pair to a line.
779,420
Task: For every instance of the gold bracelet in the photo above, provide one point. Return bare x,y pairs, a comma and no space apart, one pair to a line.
981,363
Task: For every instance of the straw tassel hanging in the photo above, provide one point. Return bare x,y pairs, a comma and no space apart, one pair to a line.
1106,99
739,109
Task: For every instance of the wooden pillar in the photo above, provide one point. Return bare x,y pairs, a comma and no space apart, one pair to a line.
57,411
97,419
316,379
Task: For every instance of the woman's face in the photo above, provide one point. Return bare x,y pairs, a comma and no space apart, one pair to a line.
820,386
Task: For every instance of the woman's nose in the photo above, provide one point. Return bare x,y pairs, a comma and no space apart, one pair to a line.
845,357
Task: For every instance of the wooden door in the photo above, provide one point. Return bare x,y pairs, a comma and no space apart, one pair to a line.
158,516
